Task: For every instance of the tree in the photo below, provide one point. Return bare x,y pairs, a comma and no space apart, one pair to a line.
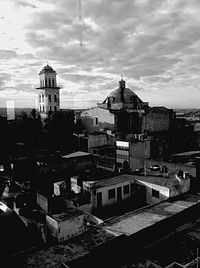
60,128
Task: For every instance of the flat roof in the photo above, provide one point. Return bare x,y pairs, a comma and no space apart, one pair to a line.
68,214
133,222
113,180
66,251
76,154
167,182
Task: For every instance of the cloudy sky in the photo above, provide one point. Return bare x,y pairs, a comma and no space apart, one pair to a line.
155,44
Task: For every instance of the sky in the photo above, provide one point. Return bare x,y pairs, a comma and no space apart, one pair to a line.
155,44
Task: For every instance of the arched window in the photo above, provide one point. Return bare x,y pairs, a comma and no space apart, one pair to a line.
49,82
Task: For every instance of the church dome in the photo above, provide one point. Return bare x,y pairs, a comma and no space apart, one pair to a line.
123,94
128,95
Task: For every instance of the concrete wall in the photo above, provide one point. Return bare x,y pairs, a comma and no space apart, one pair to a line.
66,229
140,149
183,187
104,190
164,192
136,163
138,152
99,140
158,119
105,119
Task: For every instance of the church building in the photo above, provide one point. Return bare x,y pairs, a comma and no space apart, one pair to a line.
48,92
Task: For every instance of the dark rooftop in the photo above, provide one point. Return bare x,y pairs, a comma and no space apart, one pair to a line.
65,252
135,221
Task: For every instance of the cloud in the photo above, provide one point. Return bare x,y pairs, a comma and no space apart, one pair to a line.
155,44
4,77
7,54
24,4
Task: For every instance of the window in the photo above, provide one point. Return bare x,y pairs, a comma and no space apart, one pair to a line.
49,97
50,107
126,189
55,108
111,193
49,82
45,82
95,121
155,193
40,109
39,98
42,97
43,108
53,84
55,98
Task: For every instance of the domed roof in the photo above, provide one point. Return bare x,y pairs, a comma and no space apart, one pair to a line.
116,95
123,94
47,69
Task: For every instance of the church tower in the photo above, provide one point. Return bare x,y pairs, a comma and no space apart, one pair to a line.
48,92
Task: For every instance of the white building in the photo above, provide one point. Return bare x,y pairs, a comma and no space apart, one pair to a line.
65,225
134,151
70,223
48,92
159,188
110,191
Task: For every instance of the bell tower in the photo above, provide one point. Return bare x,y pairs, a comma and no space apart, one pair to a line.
48,92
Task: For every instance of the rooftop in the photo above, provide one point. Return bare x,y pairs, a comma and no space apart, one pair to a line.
76,154
135,221
113,180
56,255
159,180
68,214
